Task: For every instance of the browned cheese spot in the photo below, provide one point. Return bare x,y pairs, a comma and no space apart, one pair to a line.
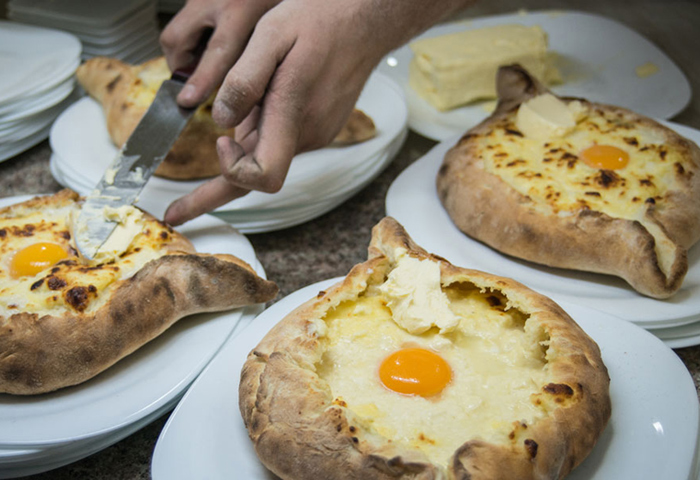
531,447
111,85
558,389
78,297
607,178
55,283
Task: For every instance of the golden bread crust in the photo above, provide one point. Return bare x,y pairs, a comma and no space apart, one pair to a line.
358,128
117,86
300,431
486,207
43,352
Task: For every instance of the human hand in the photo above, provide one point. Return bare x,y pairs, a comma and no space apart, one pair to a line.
293,85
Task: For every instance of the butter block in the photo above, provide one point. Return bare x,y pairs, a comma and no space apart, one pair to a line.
458,68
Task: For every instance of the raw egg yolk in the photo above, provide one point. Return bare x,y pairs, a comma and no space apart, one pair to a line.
35,258
415,371
605,157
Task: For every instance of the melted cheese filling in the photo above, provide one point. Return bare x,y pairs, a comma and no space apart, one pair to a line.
496,356
552,175
69,285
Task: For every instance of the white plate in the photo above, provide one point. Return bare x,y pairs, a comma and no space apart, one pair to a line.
37,103
139,384
651,434
9,150
26,127
29,462
413,201
81,140
33,58
74,14
597,58
250,222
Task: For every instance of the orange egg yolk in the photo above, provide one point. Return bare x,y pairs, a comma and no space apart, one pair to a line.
36,257
605,157
415,371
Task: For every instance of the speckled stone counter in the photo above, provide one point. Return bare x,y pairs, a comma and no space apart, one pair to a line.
331,244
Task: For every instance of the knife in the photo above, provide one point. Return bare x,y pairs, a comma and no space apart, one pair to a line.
134,164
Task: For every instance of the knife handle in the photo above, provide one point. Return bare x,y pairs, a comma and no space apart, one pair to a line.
183,74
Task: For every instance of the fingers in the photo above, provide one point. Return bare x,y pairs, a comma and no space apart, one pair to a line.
203,199
181,36
232,23
246,83
206,197
246,133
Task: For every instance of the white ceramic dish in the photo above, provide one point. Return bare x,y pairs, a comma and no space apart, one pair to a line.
9,150
26,127
413,201
39,100
139,384
597,57
69,453
73,14
80,139
28,462
250,222
651,434
34,59
39,103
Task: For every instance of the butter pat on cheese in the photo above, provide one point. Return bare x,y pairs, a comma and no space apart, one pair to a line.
546,117
416,300
458,68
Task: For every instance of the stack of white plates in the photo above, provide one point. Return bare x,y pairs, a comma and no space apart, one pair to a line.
317,181
412,199
43,432
170,6
36,83
123,29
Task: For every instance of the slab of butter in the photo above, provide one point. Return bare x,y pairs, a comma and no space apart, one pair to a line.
458,68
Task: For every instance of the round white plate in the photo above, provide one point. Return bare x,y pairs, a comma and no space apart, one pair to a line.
21,463
596,56
413,201
26,127
680,337
33,58
250,222
74,14
651,434
37,103
139,384
81,140
9,150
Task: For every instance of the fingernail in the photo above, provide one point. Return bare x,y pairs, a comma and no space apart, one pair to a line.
187,94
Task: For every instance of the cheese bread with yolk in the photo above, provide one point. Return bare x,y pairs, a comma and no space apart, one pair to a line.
574,184
63,320
411,367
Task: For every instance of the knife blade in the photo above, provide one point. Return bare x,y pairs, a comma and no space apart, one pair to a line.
136,161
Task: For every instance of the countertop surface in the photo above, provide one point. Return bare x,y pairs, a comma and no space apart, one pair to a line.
331,244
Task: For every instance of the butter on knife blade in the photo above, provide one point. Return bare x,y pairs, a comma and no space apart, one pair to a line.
135,163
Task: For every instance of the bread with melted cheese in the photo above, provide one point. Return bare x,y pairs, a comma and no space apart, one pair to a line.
72,320
126,91
535,199
528,397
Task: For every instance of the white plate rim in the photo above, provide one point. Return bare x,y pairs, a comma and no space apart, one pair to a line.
644,311
67,432
443,125
176,452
